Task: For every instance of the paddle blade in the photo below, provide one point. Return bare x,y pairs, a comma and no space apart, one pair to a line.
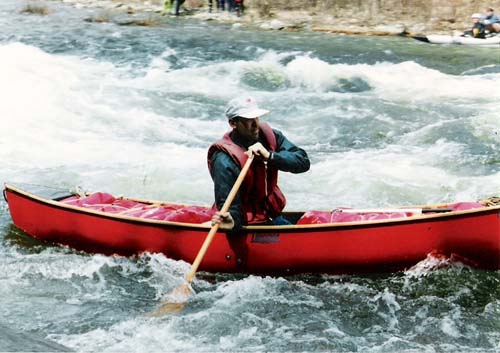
176,300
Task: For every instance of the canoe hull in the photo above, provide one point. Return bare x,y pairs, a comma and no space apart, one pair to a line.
379,246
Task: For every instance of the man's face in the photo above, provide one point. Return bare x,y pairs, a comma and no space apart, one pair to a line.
248,129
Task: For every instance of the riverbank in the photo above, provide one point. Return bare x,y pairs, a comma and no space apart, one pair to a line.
364,17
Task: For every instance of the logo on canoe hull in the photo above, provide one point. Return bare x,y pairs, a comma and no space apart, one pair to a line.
265,238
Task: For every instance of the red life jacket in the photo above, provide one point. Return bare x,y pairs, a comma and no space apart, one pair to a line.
261,198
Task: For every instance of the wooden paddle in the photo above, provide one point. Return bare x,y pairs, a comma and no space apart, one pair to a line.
181,294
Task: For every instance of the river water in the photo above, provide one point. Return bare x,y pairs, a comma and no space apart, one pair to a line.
131,110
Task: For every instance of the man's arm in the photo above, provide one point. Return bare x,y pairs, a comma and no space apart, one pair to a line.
288,157
224,174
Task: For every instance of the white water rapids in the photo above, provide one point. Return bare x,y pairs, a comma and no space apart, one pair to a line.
131,111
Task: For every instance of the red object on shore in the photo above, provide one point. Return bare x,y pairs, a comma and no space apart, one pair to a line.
377,245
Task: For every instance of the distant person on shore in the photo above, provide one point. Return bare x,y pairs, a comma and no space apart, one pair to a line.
491,21
222,4
210,5
239,7
229,5
177,6
167,6
172,6
477,29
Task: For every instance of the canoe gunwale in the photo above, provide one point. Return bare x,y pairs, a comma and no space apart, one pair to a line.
256,228
83,210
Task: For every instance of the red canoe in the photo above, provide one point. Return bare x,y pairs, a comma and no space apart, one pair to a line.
376,245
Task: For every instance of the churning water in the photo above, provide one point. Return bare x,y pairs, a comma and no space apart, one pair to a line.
131,110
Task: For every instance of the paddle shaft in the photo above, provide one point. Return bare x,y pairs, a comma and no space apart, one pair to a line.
215,227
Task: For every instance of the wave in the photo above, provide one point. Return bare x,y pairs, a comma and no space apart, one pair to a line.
111,128
273,72
277,72
391,176
44,80
401,81
70,120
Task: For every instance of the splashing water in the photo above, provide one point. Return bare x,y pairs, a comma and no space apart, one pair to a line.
131,110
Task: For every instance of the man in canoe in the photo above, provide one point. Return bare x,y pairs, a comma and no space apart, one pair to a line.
259,199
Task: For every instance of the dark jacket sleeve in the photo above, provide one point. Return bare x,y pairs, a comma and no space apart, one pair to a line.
288,157
224,174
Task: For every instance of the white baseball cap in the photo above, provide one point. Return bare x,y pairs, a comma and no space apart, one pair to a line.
246,107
